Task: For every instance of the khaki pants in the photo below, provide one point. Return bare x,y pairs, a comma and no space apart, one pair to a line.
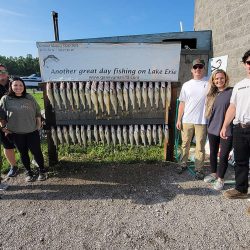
200,132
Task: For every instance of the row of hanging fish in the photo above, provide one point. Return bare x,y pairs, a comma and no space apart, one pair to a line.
104,96
116,135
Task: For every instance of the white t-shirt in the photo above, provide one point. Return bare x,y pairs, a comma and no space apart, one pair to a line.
241,99
193,94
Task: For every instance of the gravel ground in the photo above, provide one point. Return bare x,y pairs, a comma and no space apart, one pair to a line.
136,206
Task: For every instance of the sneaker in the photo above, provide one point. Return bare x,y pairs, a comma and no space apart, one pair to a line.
42,177
209,178
199,175
181,167
234,194
29,177
13,172
218,185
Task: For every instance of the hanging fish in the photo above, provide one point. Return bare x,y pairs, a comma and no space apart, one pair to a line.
106,97
131,135
63,94
136,135
101,133
144,94
138,93
76,95
57,95
160,134
166,133
88,93
89,136
50,94
157,94
100,95
125,91
78,135
59,134
82,94
96,136
70,94
125,134
66,135
93,96
119,94
113,135
132,94
72,134
168,95
149,135
83,136
154,134
113,97
143,135
163,94
119,134
151,94
54,136
107,135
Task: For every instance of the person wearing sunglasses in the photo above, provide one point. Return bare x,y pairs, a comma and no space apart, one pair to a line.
239,112
7,144
191,118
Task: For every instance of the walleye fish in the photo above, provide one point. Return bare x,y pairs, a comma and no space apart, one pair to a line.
70,94
101,133
113,135
136,135
76,95
82,94
88,93
54,136
160,134
78,135
119,94
107,135
96,136
119,134
106,97
151,94
138,93
144,94
113,97
157,94
163,94
131,135
63,94
168,94
132,94
66,135
50,94
83,136
125,134
154,134
89,136
149,135
166,133
93,96
59,134
143,135
125,91
57,95
72,134
100,95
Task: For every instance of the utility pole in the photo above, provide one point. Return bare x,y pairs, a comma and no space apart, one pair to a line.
55,22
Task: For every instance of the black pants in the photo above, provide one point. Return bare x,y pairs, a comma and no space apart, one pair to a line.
26,142
225,148
241,144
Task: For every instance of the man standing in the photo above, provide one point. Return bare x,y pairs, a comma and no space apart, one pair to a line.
7,145
191,118
239,112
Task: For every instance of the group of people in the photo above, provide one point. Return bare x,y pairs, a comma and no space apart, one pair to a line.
213,109
20,120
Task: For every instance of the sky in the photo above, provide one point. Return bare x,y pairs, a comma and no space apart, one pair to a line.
25,22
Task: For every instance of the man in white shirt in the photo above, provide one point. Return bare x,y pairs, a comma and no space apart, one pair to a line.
239,112
191,117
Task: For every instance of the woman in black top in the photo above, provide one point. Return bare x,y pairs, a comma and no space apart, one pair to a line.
218,100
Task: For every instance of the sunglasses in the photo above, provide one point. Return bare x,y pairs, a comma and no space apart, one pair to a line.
248,62
199,66
3,72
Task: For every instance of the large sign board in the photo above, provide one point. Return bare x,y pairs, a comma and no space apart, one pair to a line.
64,61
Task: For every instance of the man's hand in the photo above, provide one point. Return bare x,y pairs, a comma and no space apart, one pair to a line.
223,133
178,125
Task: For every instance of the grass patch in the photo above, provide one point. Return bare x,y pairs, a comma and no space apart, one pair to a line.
38,95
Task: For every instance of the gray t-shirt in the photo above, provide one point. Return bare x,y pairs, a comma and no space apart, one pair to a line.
220,106
21,113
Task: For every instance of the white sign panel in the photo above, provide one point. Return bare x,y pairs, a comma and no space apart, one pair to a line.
109,62
217,63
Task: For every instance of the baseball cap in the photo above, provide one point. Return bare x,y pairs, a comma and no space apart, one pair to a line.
198,61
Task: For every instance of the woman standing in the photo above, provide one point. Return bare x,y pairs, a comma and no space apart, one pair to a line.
23,123
218,100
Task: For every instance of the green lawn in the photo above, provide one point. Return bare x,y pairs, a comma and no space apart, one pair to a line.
38,95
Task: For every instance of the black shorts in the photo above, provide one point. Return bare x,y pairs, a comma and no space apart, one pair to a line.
7,144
